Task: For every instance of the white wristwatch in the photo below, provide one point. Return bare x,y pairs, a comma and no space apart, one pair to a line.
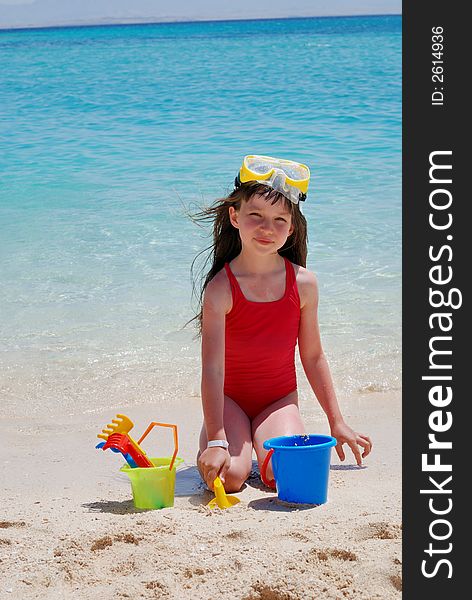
218,444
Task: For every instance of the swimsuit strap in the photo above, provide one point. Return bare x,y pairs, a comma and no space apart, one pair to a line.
292,287
290,275
235,289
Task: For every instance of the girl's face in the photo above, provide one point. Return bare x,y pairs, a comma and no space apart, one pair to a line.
263,226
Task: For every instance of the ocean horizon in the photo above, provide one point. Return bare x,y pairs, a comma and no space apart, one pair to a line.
111,136
112,22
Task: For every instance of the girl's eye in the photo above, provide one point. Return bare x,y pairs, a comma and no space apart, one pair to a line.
254,215
281,219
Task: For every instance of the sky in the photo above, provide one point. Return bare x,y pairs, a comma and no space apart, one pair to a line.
41,13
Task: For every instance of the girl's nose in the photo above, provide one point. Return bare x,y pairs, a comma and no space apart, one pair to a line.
266,225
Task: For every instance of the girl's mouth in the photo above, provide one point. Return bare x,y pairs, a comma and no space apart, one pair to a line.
263,241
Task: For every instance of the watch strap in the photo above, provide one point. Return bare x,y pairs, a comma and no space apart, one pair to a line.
218,444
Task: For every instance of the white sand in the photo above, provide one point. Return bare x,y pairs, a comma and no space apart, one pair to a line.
68,528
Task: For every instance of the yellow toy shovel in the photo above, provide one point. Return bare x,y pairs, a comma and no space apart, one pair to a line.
221,500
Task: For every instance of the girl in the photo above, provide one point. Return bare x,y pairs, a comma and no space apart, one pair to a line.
257,301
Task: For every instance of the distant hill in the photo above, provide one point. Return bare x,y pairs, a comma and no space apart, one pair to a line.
44,13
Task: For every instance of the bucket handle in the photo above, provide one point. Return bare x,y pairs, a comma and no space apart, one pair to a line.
269,482
176,439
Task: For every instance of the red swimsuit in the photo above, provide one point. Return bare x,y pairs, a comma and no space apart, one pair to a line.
260,340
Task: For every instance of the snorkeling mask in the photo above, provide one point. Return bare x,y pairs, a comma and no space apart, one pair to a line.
286,176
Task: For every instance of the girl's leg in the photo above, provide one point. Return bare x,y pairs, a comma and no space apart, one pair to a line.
282,417
238,431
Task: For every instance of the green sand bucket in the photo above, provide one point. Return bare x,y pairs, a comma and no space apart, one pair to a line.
153,487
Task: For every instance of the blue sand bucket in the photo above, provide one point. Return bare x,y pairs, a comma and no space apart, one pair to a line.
301,467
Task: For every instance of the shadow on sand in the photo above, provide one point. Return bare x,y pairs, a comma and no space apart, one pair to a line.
125,507
275,505
347,467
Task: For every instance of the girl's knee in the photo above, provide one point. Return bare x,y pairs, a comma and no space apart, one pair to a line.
236,477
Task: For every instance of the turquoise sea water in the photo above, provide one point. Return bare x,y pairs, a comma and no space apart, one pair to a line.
107,135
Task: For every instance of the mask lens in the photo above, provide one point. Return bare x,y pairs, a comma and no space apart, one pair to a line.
260,167
295,172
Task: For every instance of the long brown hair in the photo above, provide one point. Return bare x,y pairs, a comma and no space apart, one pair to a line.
227,243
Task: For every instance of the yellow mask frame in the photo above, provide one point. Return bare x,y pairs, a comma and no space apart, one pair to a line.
288,177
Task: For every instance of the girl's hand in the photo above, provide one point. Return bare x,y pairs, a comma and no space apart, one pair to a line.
214,462
345,435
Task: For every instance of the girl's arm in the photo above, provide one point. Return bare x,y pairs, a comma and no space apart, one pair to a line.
214,461
213,361
317,370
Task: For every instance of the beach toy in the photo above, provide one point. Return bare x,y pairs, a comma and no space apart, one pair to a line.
154,486
127,457
221,499
116,436
301,467
122,424
123,443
